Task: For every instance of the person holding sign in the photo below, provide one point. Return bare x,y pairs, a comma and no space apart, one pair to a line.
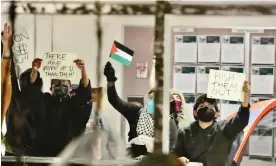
60,115
206,140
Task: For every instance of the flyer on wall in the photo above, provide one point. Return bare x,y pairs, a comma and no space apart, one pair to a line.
141,70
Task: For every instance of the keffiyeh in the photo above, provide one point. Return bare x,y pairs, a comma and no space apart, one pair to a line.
145,125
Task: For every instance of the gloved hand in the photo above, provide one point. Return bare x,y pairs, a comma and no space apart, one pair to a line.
109,72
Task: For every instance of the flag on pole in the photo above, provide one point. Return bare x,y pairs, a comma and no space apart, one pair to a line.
121,53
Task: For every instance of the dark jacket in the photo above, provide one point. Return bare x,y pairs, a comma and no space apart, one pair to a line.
19,121
211,146
56,121
132,112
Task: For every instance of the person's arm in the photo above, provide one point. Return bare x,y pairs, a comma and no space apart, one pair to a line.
179,149
125,108
82,104
31,84
235,125
173,135
84,77
6,87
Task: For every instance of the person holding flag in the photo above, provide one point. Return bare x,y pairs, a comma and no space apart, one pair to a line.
139,118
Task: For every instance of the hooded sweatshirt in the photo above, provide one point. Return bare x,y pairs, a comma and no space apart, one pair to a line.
56,122
182,117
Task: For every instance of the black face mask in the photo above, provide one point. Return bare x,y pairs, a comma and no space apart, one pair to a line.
61,90
206,114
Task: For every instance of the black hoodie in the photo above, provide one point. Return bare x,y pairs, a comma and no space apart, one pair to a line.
56,121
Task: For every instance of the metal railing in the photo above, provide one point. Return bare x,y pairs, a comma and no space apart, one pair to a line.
47,160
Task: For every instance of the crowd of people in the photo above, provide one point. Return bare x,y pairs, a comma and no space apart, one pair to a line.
42,124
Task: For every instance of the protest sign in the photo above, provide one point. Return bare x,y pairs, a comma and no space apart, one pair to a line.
58,65
225,85
141,70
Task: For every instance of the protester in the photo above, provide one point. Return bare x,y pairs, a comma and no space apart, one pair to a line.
178,109
139,119
206,140
59,116
104,146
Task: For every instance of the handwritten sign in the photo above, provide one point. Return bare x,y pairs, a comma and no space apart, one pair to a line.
20,47
58,65
141,70
225,85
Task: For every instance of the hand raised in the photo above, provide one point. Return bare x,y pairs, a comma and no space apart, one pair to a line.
109,72
79,63
6,35
246,87
36,63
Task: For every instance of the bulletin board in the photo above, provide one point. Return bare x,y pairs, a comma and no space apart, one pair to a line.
196,72
257,60
263,68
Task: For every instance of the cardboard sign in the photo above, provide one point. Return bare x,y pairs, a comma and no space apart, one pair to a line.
225,85
58,65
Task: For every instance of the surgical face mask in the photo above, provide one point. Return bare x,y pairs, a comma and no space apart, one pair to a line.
150,106
61,90
175,106
206,114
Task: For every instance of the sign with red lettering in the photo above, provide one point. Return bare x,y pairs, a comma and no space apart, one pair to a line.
141,70
58,65
225,85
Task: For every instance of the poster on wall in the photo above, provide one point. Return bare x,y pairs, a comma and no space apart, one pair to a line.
185,49
262,80
208,49
228,108
180,77
203,77
263,50
232,49
141,70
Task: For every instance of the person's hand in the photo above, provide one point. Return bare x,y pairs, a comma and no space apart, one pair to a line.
79,63
246,89
109,72
6,36
36,64
184,161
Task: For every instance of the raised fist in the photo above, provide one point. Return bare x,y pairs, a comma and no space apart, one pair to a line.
36,63
109,72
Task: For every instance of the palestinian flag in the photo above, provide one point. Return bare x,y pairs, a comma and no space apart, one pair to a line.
121,53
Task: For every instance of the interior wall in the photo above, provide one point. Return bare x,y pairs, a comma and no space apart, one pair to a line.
77,33
69,33
140,40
